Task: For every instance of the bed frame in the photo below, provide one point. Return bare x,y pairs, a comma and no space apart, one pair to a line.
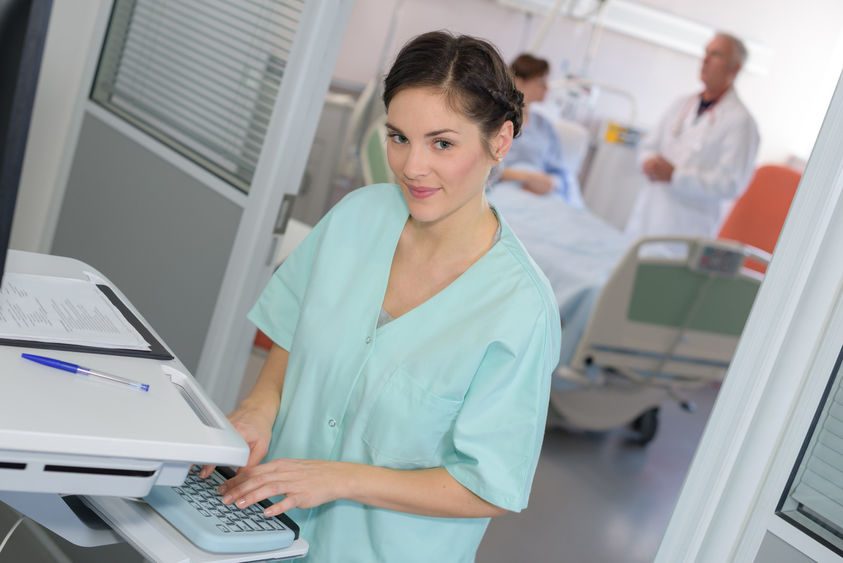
660,325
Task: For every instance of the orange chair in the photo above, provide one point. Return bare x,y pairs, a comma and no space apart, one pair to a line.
758,215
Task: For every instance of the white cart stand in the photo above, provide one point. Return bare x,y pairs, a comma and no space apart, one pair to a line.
69,445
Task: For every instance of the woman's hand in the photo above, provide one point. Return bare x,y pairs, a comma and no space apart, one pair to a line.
538,182
254,418
255,427
532,181
304,482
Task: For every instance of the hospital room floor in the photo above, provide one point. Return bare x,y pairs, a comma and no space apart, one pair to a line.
597,498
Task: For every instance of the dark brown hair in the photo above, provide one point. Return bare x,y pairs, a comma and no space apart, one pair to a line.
527,67
468,71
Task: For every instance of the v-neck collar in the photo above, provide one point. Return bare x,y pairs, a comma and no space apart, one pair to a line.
445,290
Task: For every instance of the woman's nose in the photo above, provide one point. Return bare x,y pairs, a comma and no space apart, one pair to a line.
416,165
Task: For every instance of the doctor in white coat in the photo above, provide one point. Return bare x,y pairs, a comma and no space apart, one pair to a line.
702,154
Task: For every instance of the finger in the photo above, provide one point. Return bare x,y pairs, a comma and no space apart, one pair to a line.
253,496
282,506
249,471
246,480
232,483
206,471
256,454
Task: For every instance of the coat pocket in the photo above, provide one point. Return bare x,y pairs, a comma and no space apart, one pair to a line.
409,427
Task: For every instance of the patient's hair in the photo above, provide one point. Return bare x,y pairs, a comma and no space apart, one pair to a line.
468,71
739,52
527,67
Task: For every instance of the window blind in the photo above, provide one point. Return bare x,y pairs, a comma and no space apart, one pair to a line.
814,499
199,75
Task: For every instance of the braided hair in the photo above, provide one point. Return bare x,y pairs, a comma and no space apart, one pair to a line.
469,72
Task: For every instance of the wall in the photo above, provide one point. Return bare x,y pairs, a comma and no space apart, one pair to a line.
63,65
788,103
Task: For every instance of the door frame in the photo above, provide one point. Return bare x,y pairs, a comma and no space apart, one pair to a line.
776,379
279,172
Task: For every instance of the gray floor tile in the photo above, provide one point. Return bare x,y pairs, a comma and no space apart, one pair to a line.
597,498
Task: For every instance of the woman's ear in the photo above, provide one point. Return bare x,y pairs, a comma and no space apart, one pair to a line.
502,141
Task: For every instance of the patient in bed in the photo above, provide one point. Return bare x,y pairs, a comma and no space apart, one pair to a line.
535,160
539,197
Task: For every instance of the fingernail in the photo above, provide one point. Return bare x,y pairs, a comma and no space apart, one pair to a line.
241,502
227,499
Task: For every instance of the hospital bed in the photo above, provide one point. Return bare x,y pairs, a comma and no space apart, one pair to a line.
640,325
659,326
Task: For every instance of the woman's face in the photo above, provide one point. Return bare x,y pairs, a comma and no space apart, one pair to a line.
438,156
534,89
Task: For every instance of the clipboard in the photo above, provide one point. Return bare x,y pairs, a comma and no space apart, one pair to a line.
156,351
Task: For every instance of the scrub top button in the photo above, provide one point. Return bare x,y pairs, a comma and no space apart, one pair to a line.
332,422
368,340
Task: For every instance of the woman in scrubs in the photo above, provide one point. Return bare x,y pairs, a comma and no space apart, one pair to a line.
403,402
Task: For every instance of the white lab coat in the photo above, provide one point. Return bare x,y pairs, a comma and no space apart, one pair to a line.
713,157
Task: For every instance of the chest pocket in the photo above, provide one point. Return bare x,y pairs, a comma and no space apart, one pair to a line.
408,424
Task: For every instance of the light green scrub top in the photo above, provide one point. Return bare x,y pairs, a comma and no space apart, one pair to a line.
461,381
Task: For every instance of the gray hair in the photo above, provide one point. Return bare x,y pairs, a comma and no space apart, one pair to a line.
739,52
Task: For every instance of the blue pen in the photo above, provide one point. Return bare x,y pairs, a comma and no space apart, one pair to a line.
73,368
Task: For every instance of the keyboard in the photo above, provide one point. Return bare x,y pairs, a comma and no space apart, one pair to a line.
196,510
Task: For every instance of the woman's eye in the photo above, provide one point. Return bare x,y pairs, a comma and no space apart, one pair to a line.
442,144
397,138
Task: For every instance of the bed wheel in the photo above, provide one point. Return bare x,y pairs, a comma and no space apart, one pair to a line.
646,425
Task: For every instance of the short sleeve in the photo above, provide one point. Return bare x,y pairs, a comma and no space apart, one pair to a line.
499,431
276,312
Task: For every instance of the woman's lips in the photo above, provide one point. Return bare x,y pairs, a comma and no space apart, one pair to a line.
421,192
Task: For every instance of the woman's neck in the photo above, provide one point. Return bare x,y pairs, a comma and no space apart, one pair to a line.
467,233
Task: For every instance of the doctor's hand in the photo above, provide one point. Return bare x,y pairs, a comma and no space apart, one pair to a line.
657,169
304,482
255,427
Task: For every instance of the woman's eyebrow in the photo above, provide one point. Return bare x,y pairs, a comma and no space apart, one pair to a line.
430,134
440,131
